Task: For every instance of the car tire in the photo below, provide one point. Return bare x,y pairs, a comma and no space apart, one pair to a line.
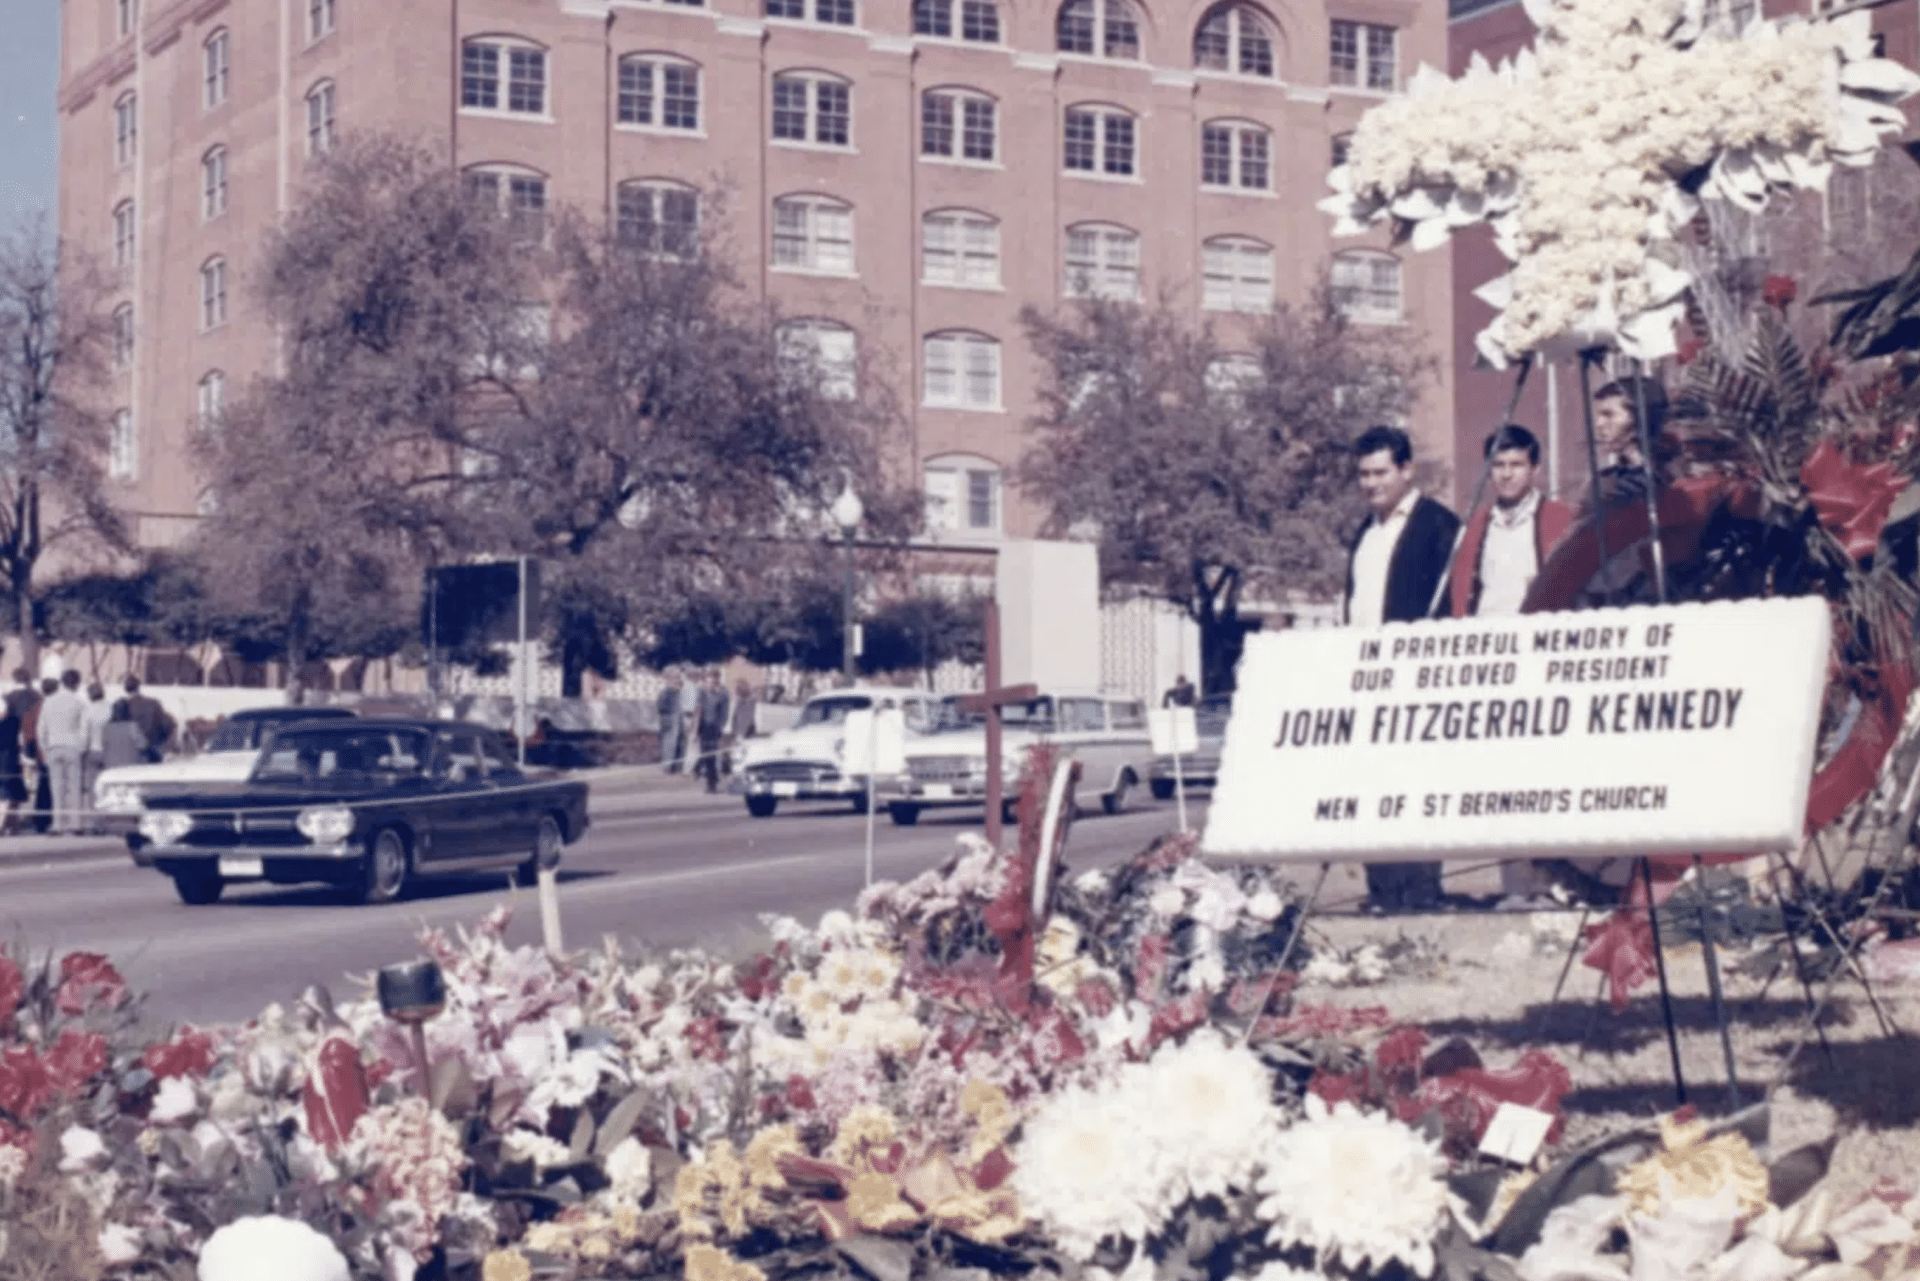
762,806
1162,789
548,843
385,867
198,889
903,813
1116,800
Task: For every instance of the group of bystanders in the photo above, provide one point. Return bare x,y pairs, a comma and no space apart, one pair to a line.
55,740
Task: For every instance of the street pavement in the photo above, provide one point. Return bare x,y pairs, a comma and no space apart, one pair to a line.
663,863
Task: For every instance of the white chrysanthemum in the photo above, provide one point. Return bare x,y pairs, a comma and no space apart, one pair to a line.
1361,1189
175,1100
629,1170
1265,906
1082,1170
269,1248
1168,901
118,1243
519,1144
80,1148
1210,1108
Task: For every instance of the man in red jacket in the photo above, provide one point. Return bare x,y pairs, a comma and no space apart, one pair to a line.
1507,540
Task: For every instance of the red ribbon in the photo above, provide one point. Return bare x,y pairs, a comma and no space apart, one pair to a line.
1852,500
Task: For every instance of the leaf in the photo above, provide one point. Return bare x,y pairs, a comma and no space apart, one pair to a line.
1796,1173
452,1090
582,1137
619,1123
881,1258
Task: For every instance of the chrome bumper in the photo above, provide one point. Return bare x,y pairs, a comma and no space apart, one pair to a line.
146,854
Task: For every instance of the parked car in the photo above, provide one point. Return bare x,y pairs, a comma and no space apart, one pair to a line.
1107,735
1197,769
368,805
803,763
120,794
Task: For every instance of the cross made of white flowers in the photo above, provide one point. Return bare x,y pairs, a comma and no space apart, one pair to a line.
1584,153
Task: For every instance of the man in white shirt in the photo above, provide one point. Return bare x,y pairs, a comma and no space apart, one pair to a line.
62,734
99,712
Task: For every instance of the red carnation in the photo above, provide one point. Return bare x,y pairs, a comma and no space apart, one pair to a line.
25,1083
1778,291
189,1054
75,1059
86,979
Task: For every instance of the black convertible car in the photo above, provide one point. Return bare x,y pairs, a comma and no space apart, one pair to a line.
367,805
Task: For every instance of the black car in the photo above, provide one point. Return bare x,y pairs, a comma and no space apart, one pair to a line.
367,805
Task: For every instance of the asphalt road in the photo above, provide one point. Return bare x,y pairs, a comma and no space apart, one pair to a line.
668,869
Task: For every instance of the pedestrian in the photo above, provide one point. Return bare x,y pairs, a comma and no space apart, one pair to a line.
99,713
42,781
62,734
711,728
744,712
152,718
1181,695
1616,436
668,706
121,742
1395,563
15,747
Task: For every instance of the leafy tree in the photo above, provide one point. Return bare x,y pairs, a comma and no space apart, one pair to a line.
1209,472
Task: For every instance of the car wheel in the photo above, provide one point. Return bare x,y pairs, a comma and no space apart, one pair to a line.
903,814
762,806
197,889
1116,800
547,845
1162,789
383,873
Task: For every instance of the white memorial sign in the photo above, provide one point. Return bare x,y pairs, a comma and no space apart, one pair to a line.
875,742
1173,731
1674,729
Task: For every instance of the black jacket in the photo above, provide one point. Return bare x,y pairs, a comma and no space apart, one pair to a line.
1419,561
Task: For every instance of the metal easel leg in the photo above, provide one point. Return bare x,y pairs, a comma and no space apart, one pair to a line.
1711,954
1774,865
1666,992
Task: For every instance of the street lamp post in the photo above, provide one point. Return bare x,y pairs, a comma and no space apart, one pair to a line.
846,513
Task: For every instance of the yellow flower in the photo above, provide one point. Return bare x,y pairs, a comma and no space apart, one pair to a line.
626,1223
550,1238
764,1152
866,1126
708,1263
874,1202
596,1247
1693,1166
992,1114
506,1265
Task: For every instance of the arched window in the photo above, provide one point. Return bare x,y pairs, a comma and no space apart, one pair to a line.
659,91
319,19
1366,286
215,67
213,293
213,183
1098,29
960,247
961,370
823,351
212,400
502,73
1236,274
962,494
1099,140
1234,38
958,124
811,106
658,217
977,21
125,229
126,128
814,234
520,195
320,119
1103,261
1236,155
123,451
123,335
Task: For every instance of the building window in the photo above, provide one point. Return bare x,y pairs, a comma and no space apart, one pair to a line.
1098,29
320,119
1735,14
658,218
213,184
813,108
962,371
1366,287
498,75
213,400
660,92
1230,378
1236,275
125,14
813,233
825,352
1364,55
1237,155
957,125
214,69
835,13
122,448
977,21
123,335
520,196
959,247
213,293
126,128
319,19
124,231
962,495
1341,148
1234,38
1103,261
1099,140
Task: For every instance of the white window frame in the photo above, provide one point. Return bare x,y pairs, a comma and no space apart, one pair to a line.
213,294
1228,377
822,248
126,128
964,109
974,481
1372,301
123,335
320,106
123,446
319,20
655,67
1242,136
838,373
959,17
1104,116
1736,15
1231,275
126,17
961,369
126,233
509,182
1353,55
1247,29
656,190
959,249
216,69
1111,271
213,183
813,81
1111,18
502,50
811,11
211,400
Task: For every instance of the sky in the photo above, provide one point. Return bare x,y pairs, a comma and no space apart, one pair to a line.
29,72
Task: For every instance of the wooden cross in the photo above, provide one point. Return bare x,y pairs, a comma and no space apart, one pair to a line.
990,701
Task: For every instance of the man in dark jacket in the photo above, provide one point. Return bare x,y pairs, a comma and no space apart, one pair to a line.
155,725
710,728
1395,563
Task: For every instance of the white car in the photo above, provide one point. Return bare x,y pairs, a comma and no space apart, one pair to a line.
804,763
120,794
1106,734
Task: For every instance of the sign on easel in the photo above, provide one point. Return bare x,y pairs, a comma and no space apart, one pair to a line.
1175,732
1673,729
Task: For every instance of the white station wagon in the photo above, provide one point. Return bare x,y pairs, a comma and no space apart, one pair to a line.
1106,734
803,763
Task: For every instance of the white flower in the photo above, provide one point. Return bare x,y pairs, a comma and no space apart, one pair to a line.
119,1243
1265,906
174,1101
13,1164
1083,1172
1167,901
1093,881
269,1248
1209,1106
630,1170
1361,1189
520,1144
80,1148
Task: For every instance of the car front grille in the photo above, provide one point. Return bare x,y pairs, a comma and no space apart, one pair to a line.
935,769
224,831
794,772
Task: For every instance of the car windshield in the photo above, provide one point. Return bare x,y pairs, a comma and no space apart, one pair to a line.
342,755
1035,717
833,711
238,736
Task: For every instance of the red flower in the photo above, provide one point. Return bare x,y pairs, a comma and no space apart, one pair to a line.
86,979
12,987
1778,291
994,1169
800,1094
75,1059
1690,348
1338,1087
25,1083
189,1054
15,1136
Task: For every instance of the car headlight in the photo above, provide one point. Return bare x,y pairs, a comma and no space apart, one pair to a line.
325,824
166,827
119,798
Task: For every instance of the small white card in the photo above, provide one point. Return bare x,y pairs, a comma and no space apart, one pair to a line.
876,742
1516,1133
1173,731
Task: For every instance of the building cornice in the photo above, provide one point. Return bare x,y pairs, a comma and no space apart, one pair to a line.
166,25
96,75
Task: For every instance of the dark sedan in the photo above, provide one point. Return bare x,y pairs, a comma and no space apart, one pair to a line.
367,805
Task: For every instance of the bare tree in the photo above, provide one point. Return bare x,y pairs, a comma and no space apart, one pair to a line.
1209,473
54,354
